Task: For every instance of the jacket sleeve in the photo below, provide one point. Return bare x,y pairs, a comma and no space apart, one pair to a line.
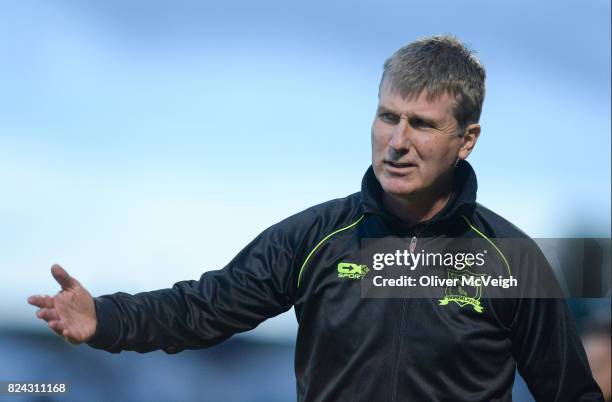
257,284
546,345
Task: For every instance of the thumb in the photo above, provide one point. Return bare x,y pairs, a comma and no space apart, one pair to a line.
62,277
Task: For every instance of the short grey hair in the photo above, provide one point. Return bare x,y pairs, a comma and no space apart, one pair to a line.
438,65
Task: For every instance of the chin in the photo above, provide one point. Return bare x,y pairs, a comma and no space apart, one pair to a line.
398,186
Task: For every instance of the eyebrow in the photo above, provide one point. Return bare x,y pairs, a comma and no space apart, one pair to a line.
428,120
383,109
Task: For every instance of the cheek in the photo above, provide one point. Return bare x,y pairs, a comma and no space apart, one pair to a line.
435,149
379,139
426,148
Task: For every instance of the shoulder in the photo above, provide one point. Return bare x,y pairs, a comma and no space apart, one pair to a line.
514,245
494,225
321,218
326,215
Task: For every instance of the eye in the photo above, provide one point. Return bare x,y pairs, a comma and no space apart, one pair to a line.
418,123
389,118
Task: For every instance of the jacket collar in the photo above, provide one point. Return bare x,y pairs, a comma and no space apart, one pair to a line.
462,201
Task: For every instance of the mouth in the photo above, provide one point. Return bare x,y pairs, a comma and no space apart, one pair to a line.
400,166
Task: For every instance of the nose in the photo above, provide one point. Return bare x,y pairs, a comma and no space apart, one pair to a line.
401,136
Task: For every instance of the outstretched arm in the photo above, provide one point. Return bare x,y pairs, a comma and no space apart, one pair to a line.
257,284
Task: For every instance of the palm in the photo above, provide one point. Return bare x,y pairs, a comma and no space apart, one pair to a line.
71,312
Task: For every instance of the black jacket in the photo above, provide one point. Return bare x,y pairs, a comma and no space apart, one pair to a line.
351,348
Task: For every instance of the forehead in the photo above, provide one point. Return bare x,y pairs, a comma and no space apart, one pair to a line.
440,107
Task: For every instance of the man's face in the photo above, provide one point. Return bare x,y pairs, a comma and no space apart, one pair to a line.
415,142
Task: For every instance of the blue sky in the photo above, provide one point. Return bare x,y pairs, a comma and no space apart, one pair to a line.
142,143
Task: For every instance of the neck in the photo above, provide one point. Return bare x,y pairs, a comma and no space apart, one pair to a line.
420,207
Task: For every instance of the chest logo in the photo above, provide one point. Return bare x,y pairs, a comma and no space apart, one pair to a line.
466,292
352,271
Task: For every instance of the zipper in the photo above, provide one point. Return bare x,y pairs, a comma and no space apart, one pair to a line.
401,325
403,313
398,351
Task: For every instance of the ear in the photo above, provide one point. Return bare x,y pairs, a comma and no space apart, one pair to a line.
468,140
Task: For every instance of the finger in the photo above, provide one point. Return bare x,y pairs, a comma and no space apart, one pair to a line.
47,314
41,301
69,338
57,327
62,277
67,334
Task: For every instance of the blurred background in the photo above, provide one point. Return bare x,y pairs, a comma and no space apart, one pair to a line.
135,137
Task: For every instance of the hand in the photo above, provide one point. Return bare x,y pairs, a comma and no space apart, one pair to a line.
71,313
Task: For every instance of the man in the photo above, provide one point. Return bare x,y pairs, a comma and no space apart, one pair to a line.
351,348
